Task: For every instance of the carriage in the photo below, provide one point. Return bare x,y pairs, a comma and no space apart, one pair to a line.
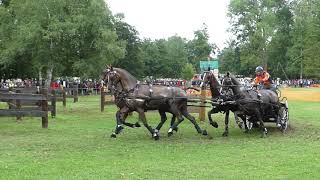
252,105
282,112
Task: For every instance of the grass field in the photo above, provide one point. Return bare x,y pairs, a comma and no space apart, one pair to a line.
77,146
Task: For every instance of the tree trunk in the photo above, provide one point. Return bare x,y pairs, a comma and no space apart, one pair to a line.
40,77
49,77
301,63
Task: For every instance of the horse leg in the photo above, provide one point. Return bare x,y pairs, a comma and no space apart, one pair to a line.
226,122
120,115
264,130
174,126
193,121
244,119
173,119
135,125
163,120
126,123
142,118
236,118
211,122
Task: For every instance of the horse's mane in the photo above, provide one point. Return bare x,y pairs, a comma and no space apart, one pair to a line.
214,87
235,80
127,75
127,78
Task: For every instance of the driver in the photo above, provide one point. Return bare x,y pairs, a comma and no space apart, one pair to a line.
262,77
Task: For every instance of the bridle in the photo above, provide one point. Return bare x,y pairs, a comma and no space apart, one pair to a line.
116,80
113,83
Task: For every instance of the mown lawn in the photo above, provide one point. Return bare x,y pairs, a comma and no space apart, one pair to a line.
77,146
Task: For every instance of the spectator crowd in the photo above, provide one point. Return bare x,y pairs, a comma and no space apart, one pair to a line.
89,86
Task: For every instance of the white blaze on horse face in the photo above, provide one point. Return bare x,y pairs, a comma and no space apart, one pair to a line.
222,83
204,77
140,100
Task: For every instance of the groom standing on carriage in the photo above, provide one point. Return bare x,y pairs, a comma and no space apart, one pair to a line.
263,78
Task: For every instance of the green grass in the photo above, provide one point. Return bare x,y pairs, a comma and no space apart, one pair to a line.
77,146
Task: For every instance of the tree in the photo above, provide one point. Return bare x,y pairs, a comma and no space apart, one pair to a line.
132,60
305,39
151,57
71,37
187,71
164,58
253,22
199,47
176,56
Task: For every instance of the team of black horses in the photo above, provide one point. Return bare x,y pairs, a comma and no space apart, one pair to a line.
249,106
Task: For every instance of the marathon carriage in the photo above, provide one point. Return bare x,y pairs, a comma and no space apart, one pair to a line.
254,107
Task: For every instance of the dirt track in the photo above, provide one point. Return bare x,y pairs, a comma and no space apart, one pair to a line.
297,94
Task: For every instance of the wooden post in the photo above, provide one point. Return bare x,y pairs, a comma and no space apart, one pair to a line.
64,96
103,98
18,106
44,107
75,95
202,111
53,103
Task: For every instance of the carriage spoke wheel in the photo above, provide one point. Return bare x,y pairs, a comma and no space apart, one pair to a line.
284,118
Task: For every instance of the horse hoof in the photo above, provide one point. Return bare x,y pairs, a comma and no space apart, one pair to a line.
264,135
279,126
246,131
113,135
214,124
170,134
225,134
156,137
175,129
204,132
137,125
240,125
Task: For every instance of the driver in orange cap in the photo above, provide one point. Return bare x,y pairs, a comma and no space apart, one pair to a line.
262,77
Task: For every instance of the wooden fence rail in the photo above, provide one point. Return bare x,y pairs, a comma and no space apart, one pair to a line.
19,111
60,95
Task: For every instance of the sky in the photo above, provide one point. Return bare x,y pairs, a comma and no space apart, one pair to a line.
158,19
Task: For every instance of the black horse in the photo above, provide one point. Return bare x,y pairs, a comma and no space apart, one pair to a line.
256,105
131,96
219,98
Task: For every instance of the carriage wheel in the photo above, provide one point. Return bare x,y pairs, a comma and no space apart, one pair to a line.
284,118
278,92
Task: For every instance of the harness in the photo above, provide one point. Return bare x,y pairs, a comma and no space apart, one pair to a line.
124,95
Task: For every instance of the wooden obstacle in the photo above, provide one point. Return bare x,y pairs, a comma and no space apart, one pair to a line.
31,104
64,93
196,107
41,109
4,90
104,100
72,93
59,95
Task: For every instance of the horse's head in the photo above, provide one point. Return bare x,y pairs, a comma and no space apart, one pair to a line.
227,81
110,77
227,84
209,79
230,84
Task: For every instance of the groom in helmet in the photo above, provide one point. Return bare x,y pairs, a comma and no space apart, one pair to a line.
263,78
